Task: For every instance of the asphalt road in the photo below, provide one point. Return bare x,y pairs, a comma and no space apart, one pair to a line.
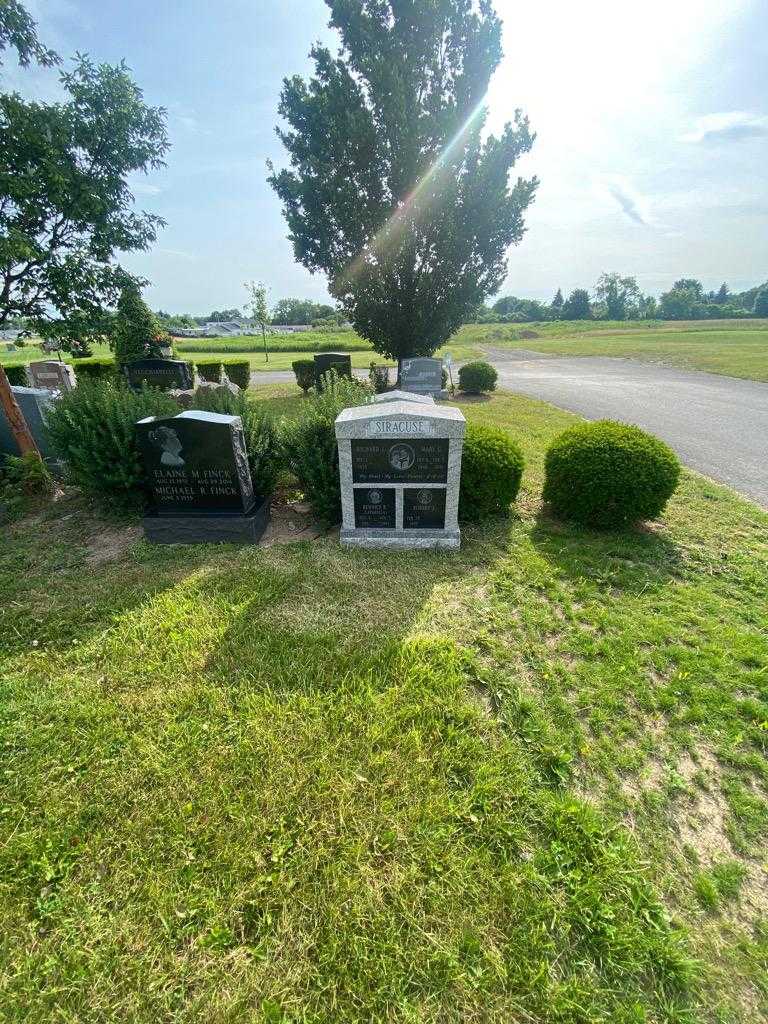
718,425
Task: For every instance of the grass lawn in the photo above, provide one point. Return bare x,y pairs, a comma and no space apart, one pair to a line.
525,782
737,348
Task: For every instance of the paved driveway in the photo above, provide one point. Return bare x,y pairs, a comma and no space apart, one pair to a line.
718,425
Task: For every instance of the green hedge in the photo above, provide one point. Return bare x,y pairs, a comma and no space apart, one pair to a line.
95,368
238,371
17,375
209,369
608,474
491,470
304,370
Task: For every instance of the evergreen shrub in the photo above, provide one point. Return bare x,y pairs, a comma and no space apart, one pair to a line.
476,378
491,470
209,369
304,370
17,375
238,371
309,444
608,474
92,429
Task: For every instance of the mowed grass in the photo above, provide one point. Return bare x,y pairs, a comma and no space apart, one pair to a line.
523,782
737,348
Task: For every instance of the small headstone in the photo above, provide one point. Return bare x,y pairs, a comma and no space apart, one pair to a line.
159,373
402,396
52,374
34,404
341,362
400,471
422,376
200,484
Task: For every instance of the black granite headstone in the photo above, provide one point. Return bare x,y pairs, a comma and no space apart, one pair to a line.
165,374
341,362
407,461
196,464
375,508
423,508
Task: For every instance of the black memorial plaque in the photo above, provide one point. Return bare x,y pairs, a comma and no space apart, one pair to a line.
196,464
422,376
406,461
423,508
374,508
159,373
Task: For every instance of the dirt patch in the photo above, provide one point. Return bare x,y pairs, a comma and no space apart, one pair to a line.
527,335
109,544
291,521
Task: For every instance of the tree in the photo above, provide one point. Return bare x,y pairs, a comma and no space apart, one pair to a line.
689,284
722,295
301,311
577,305
557,304
684,301
221,316
760,307
259,309
136,333
65,204
393,192
17,29
620,295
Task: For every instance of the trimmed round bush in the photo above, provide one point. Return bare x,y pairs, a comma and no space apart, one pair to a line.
238,371
304,369
608,474
476,378
491,470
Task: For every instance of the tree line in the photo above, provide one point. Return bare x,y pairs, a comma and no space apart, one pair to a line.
619,298
289,312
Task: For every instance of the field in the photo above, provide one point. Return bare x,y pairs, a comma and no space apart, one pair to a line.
523,783
738,348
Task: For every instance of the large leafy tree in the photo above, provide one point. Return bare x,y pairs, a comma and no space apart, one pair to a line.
621,295
393,192
66,208
18,30
577,306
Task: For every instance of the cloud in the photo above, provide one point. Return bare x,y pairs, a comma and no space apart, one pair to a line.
178,254
734,126
143,188
634,206
187,118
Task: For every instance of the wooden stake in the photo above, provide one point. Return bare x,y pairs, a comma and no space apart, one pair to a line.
13,414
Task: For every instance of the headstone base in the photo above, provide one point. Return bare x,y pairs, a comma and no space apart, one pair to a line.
223,529
392,540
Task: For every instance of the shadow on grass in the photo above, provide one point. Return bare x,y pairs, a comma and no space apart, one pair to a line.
632,560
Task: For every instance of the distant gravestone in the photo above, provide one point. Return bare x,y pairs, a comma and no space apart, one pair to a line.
402,396
165,374
52,374
400,471
200,484
341,362
34,404
422,377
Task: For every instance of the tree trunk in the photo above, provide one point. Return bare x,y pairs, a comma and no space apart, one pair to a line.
18,424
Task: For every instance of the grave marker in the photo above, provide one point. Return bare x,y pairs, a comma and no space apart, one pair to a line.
165,374
400,471
341,362
52,374
422,377
200,483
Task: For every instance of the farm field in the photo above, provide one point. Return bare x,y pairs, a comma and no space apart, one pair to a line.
524,782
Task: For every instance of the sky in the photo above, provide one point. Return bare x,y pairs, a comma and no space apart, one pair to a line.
651,122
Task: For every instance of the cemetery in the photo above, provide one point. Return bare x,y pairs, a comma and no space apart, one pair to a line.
379,692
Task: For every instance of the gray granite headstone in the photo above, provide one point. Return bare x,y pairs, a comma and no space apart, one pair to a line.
400,472
196,465
422,376
402,396
52,374
34,404
159,373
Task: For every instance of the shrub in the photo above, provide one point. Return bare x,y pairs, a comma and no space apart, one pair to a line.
379,377
92,430
475,378
209,369
17,375
260,432
94,369
309,444
238,371
23,478
607,474
304,369
491,469
136,333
